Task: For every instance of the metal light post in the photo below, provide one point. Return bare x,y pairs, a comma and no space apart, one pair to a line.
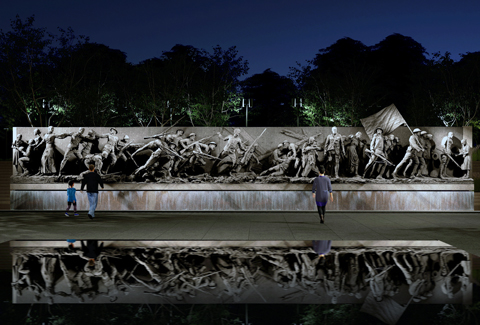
298,103
171,115
246,103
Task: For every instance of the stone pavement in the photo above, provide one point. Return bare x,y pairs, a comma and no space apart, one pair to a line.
460,229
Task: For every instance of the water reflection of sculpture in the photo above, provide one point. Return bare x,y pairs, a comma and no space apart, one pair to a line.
229,273
189,157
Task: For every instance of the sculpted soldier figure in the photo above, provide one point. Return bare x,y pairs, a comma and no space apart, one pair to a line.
229,155
292,150
36,156
18,145
429,147
334,148
195,152
26,157
420,155
48,161
309,158
72,148
413,148
447,144
198,156
109,148
275,157
385,168
185,143
162,149
396,154
122,147
152,145
467,160
353,145
177,137
152,159
189,149
165,170
377,147
279,170
38,137
89,143
285,148
248,160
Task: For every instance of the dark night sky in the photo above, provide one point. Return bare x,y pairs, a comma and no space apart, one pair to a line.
268,33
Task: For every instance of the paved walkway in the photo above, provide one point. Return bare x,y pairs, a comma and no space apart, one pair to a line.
460,229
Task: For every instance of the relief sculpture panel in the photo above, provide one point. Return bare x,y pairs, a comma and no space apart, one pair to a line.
254,155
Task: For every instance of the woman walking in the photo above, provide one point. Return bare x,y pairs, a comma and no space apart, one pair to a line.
320,189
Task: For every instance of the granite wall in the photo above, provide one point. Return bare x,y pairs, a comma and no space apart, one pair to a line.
248,200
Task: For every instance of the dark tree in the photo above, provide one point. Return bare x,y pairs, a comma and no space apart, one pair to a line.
400,60
338,84
24,64
272,96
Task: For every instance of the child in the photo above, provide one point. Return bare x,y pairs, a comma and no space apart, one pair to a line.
71,198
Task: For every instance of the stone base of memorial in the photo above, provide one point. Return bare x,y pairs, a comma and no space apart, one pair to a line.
241,190
406,196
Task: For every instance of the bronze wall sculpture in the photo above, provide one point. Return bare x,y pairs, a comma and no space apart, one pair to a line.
242,155
244,169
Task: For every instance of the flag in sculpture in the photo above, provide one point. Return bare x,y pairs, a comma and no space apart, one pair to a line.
388,119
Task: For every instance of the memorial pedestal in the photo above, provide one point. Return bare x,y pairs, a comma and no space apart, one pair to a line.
245,197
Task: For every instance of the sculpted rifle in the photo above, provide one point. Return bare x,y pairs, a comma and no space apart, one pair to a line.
378,156
194,143
205,155
251,146
173,153
446,154
128,153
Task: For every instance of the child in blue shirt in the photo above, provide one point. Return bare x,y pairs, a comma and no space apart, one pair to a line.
71,198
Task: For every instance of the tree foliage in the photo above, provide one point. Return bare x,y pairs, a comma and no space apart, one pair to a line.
66,80
24,69
272,95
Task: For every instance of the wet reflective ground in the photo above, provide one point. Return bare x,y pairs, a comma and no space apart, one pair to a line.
460,229
276,272
380,278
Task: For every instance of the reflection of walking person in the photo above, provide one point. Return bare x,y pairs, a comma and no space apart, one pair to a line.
71,199
92,180
322,247
320,189
92,250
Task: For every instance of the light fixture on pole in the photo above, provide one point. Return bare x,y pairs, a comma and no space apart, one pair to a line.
298,103
246,103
